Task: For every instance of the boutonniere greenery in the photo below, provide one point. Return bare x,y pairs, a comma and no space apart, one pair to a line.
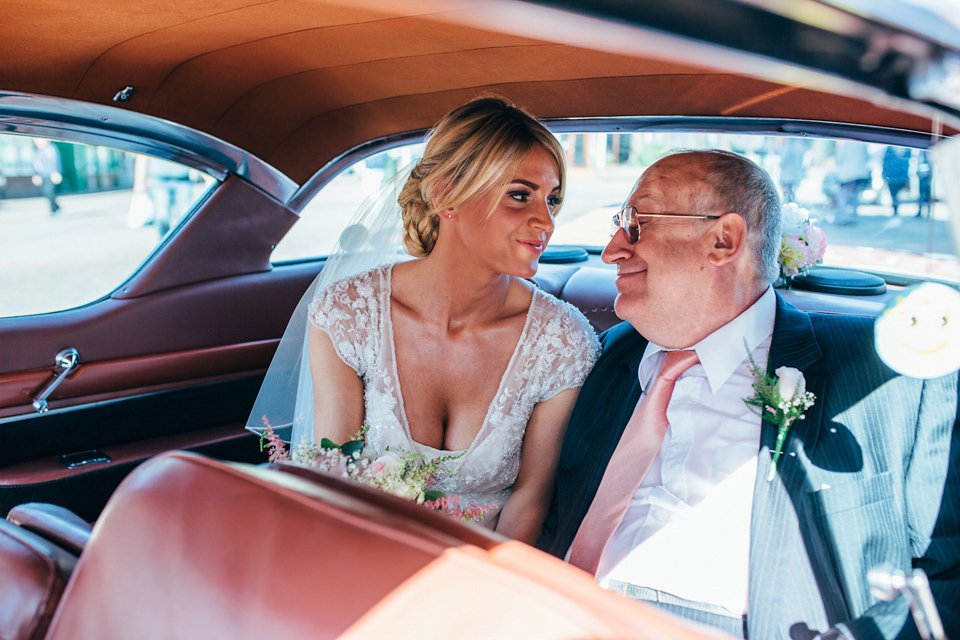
781,399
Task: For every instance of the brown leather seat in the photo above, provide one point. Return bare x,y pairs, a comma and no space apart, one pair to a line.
189,547
33,573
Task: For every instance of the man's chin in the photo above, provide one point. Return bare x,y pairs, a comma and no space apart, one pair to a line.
626,309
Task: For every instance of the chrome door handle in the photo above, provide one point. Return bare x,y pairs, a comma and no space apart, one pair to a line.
66,361
886,583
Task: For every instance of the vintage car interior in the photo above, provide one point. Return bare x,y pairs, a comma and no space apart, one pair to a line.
137,322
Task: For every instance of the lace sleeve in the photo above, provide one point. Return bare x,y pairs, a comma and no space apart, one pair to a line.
571,346
347,312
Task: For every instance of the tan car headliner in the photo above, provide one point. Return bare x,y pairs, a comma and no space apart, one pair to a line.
298,82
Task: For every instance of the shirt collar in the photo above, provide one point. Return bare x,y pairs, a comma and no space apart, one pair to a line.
723,351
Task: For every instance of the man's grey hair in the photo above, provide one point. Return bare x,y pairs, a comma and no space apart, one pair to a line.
741,185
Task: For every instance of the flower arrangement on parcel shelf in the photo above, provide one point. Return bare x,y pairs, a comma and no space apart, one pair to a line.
802,244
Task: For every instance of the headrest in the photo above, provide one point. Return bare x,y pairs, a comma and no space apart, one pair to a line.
53,522
189,547
593,290
33,573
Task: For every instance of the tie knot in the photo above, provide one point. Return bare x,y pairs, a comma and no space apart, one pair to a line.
676,362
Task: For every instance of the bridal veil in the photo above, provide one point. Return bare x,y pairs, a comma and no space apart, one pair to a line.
373,237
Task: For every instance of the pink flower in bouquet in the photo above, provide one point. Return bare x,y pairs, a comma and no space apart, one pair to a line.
816,242
339,468
386,463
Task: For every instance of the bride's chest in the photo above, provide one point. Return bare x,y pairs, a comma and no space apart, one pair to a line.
446,382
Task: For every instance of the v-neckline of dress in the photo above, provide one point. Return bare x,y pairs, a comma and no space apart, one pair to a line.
386,298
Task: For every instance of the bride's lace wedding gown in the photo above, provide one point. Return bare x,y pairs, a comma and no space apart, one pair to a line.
556,350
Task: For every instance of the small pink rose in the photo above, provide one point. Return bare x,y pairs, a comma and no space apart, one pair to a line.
384,464
817,241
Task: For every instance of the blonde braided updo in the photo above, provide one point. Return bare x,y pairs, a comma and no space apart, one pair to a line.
475,148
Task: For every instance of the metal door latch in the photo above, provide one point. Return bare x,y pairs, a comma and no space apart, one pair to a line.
887,583
66,361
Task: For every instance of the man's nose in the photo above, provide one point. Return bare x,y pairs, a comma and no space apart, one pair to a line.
619,248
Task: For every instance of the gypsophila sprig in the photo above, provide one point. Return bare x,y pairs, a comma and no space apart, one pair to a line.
406,474
781,399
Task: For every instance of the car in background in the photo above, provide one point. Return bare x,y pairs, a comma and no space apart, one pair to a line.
174,174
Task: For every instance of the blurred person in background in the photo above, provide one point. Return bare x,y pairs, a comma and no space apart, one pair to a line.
792,166
168,185
47,171
853,174
896,173
924,179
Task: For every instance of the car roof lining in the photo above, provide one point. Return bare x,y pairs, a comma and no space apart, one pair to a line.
299,82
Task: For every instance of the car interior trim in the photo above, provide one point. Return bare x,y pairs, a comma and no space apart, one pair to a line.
74,121
51,470
102,381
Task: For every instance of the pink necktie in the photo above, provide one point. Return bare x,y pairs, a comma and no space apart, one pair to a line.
630,462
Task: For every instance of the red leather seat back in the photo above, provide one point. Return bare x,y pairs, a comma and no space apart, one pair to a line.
33,573
191,548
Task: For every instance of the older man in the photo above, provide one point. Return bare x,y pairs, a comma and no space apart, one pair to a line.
662,488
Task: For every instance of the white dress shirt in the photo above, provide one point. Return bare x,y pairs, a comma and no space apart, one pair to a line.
687,529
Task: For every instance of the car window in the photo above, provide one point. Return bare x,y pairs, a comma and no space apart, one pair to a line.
327,214
881,207
77,219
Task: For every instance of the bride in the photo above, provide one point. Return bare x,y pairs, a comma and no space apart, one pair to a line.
454,352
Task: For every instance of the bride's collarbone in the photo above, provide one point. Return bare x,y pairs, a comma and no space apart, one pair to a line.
446,309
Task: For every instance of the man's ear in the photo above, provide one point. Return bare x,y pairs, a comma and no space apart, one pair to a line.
727,239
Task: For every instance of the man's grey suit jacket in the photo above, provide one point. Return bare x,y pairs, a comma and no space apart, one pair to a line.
870,476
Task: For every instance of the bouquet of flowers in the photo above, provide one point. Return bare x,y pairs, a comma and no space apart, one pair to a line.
407,474
802,244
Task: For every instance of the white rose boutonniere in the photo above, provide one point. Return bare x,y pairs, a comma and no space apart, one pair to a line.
781,400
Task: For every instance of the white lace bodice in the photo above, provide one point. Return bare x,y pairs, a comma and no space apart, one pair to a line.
556,350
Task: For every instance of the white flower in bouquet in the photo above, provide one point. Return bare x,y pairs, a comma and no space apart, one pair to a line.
802,244
793,218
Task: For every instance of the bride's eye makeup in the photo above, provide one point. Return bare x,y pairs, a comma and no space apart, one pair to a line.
520,195
525,195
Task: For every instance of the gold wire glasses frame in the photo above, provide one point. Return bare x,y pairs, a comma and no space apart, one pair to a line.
626,219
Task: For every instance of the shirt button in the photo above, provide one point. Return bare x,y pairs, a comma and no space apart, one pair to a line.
660,515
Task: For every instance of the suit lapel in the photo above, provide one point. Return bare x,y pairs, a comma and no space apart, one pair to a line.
606,403
621,402
782,583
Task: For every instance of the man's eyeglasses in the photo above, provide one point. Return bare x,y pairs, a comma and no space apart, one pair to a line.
627,219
